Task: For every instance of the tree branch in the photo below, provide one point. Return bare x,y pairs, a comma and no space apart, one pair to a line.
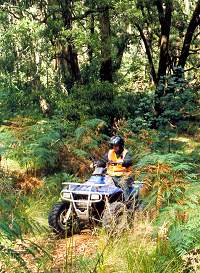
194,22
194,51
191,68
195,36
91,11
148,52
160,11
5,8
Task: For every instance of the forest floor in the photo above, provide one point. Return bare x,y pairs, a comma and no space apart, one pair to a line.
63,251
86,244
67,253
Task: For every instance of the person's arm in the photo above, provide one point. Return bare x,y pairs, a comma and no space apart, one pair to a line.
128,161
102,162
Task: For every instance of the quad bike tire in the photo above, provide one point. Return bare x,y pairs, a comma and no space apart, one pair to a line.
115,218
62,220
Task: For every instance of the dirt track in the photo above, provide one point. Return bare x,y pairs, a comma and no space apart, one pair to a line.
84,244
63,251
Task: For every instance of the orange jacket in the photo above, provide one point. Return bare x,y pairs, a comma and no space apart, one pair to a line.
118,169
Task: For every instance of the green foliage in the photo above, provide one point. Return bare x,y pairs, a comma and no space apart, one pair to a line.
166,178
89,140
177,161
35,65
91,128
24,72
182,222
6,179
93,101
14,222
185,237
137,107
53,184
37,145
179,102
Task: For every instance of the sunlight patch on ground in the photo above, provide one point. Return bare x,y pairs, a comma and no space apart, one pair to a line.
190,143
10,165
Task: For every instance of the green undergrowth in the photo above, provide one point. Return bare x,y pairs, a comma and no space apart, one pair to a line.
133,251
162,237
165,237
26,242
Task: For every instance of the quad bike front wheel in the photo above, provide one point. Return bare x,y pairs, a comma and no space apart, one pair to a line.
63,220
115,218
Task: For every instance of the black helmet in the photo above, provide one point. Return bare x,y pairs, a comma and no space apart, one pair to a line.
116,140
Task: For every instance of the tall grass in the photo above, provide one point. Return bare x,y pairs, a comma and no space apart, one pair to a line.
135,251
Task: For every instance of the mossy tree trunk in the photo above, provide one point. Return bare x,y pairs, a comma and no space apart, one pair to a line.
106,59
69,65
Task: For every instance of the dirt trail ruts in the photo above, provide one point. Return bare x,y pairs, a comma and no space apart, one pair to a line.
84,244
64,251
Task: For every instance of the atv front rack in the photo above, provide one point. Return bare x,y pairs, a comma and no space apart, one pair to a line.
82,196
79,189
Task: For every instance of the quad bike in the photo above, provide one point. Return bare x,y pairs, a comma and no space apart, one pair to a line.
97,200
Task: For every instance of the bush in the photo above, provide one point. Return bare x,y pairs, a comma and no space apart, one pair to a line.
36,144
94,100
179,102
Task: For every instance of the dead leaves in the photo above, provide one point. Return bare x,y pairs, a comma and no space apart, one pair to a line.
26,182
162,179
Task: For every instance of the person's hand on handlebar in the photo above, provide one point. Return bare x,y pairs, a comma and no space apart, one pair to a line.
115,163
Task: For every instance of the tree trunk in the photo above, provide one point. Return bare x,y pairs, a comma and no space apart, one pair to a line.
194,22
68,53
69,65
165,23
106,60
121,46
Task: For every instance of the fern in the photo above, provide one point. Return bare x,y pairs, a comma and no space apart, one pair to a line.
185,237
166,176
94,124
183,219
92,128
36,145
88,141
175,160
7,139
14,223
80,153
79,133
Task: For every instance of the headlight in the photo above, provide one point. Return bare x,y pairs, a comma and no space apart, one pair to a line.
95,196
66,195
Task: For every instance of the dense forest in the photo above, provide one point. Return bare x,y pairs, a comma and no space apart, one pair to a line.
73,74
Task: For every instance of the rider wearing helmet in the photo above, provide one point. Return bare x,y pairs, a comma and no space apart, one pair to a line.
119,164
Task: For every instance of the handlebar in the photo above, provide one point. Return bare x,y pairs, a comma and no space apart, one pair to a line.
94,163
114,163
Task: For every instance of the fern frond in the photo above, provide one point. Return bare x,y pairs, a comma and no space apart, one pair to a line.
79,133
80,153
